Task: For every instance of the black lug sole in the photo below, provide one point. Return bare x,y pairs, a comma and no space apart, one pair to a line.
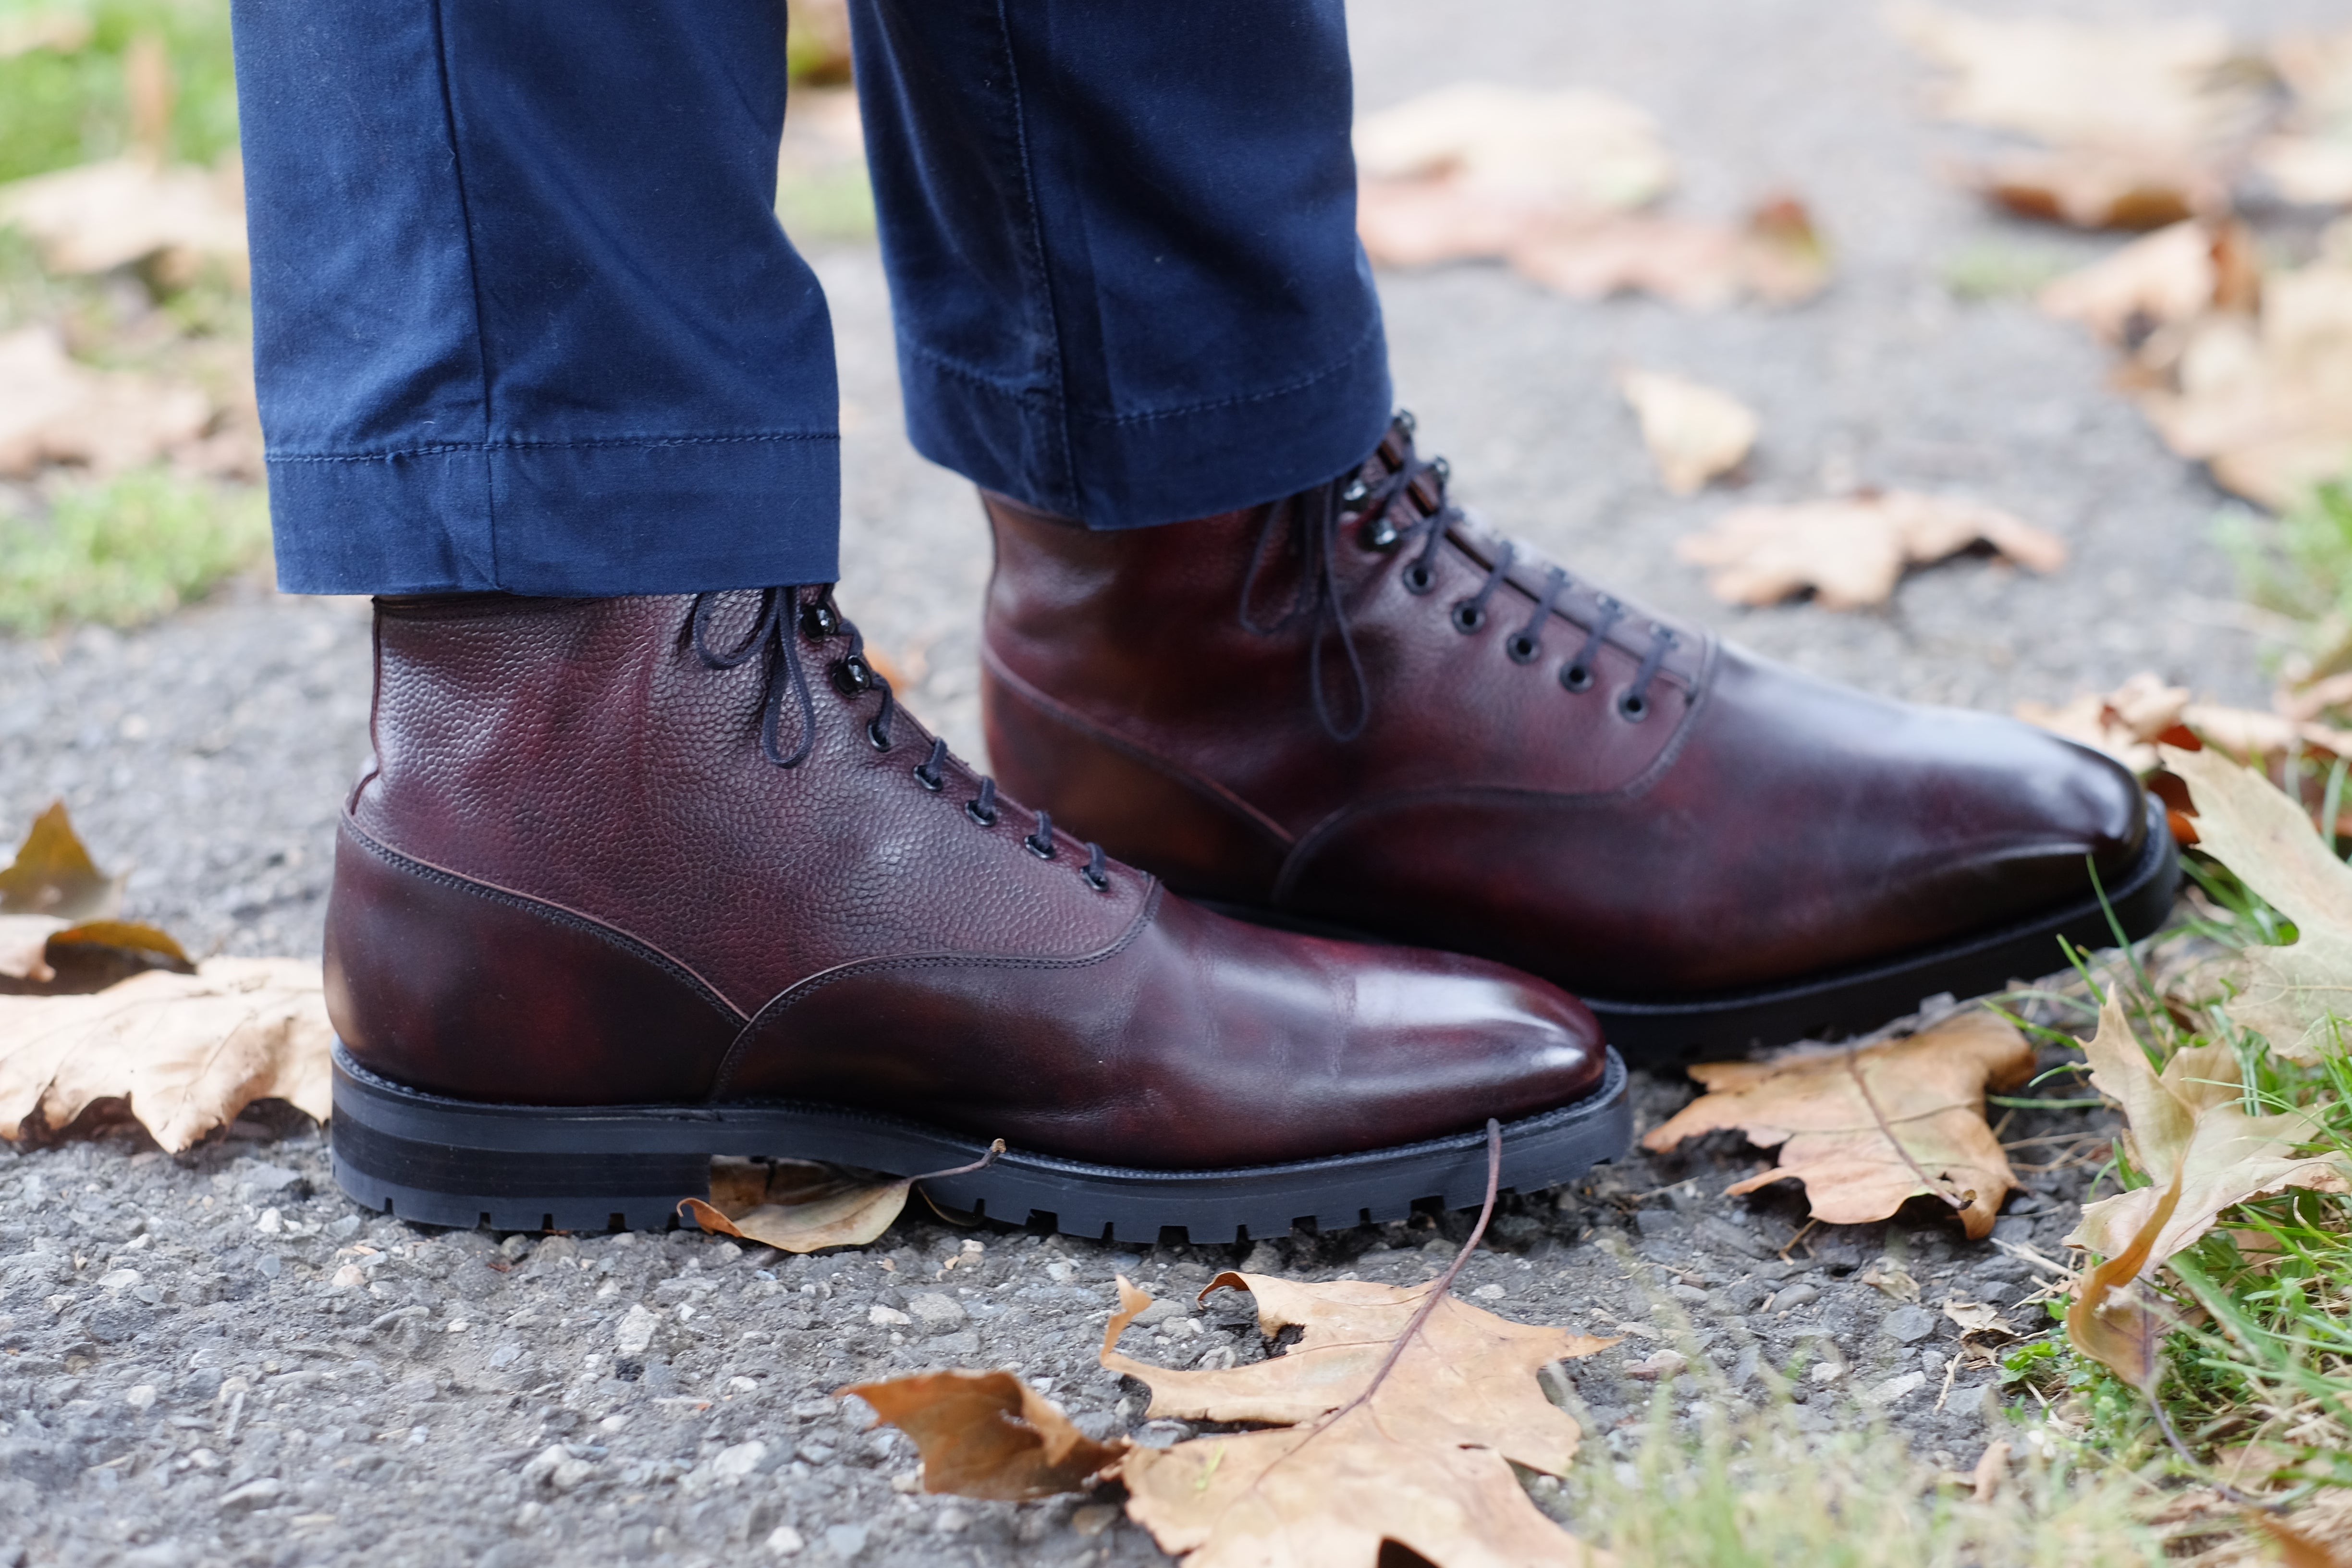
1667,1032
458,1162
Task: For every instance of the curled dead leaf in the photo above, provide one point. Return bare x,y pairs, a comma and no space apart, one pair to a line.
2190,1132
1777,257
2101,187
187,1051
1695,433
1851,552
2295,995
53,410
800,1206
54,875
1866,1130
2117,1322
988,1435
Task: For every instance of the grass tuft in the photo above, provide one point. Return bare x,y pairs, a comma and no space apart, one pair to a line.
125,550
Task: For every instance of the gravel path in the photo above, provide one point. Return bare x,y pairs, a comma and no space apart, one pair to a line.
211,1358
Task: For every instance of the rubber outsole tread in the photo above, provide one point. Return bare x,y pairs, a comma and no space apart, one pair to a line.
461,1163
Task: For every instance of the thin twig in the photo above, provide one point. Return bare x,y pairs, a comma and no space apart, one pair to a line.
983,1163
1444,1282
1854,1066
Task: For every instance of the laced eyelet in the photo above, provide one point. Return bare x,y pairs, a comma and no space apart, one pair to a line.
931,781
1419,579
1468,618
819,620
879,736
1095,880
1379,533
971,808
1043,851
852,676
1356,494
1632,707
1442,468
1404,420
1522,648
1575,678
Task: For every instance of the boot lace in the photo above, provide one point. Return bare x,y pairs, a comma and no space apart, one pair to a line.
784,618
1310,524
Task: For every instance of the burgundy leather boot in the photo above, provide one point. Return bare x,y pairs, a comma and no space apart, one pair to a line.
632,882
1356,711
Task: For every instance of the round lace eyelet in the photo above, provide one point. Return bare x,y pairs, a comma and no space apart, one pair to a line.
818,623
1404,420
1575,678
931,781
852,676
986,819
1442,468
879,736
1632,707
1522,648
1379,533
1468,618
1043,851
1419,579
1095,880
1356,494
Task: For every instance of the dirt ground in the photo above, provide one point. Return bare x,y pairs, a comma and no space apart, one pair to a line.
214,1358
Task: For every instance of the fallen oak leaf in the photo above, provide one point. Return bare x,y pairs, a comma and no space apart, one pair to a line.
94,217
1777,255
800,1206
988,1435
2165,278
53,410
1851,552
1517,151
2190,1132
2150,85
2295,997
2100,187
53,874
1928,1136
188,1052
1383,1461
1693,432
1472,1378
1255,1500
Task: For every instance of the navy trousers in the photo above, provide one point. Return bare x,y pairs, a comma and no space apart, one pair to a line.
524,319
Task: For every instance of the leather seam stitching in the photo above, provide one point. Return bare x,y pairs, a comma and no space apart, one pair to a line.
1209,789
588,925
800,989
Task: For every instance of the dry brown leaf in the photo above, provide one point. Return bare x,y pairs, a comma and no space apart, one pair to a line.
1777,257
2146,84
53,410
2165,278
988,1435
187,1051
1992,1469
797,1206
1575,149
1695,433
1469,1376
53,874
1851,552
1978,1318
1422,1462
2190,1132
2311,160
1333,1495
2117,1322
2099,187
1929,1090
2295,997
94,217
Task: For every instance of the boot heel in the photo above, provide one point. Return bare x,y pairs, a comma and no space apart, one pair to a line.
444,1183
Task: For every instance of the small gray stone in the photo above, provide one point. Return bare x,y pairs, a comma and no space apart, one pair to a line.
252,1495
1911,1324
1658,1222
268,1178
1803,1293
936,1313
1159,1312
1264,1259
844,1541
